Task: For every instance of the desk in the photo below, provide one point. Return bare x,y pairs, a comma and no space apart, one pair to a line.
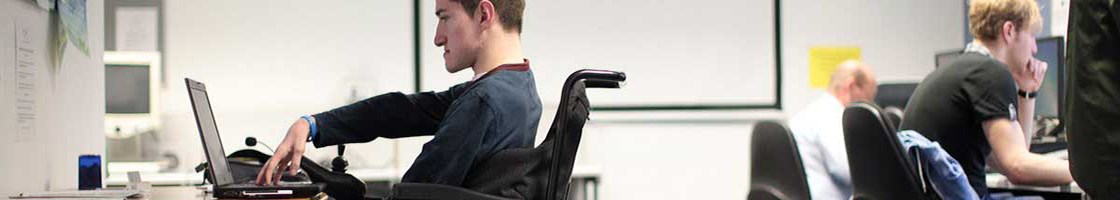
177,192
157,179
999,183
584,183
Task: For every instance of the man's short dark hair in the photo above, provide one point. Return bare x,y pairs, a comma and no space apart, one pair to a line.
509,11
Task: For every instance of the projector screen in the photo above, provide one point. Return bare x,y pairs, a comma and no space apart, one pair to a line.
677,55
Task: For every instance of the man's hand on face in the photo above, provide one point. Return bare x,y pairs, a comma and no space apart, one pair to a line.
287,155
1030,78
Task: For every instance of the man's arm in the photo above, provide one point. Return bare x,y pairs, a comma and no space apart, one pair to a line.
835,156
1026,119
391,115
387,115
449,156
1011,158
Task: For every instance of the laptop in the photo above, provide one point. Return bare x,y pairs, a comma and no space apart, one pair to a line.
224,184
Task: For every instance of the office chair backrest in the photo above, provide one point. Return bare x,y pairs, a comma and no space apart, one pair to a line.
776,168
893,116
544,172
879,166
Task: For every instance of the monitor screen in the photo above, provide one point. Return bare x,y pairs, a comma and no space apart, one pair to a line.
894,94
1049,100
208,129
126,89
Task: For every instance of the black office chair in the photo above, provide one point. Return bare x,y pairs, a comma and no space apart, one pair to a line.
880,167
528,173
776,169
893,116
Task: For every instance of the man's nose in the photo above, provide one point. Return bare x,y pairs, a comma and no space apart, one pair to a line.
440,40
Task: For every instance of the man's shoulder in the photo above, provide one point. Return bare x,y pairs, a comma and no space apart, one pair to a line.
506,79
974,63
969,70
504,88
824,107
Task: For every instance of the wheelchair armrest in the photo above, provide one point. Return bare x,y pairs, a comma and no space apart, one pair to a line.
594,78
423,191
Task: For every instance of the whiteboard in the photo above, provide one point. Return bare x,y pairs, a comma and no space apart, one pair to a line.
675,53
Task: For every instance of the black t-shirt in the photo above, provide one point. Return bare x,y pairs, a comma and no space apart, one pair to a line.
951,104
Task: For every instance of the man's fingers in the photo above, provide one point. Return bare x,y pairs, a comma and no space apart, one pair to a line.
295,164
279,172
263,175
275,165
260,174
266,174
1041,69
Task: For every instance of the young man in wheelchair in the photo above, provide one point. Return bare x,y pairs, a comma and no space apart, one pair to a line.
497,109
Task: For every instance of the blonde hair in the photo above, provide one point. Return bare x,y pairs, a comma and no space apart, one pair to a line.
986,17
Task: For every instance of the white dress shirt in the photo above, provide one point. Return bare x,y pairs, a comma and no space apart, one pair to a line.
819,133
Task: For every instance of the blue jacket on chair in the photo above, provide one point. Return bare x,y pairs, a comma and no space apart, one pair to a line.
947,176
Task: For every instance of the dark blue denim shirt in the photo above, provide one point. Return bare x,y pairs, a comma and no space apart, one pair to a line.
470,121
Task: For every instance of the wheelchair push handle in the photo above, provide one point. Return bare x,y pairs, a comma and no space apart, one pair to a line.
594,78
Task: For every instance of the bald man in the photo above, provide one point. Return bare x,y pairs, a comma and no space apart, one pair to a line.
819,130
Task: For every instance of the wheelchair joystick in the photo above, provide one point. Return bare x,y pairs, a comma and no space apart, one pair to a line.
339,163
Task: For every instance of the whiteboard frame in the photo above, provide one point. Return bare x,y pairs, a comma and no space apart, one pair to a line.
417,18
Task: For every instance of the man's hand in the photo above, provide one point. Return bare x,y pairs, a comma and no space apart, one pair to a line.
1030,77
287,155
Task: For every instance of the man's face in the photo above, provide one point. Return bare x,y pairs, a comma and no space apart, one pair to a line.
865,92
458,33
1022,48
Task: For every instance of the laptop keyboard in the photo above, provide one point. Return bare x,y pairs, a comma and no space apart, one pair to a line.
281,184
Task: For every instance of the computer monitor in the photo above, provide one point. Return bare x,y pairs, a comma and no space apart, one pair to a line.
894,94
131,93
1051,95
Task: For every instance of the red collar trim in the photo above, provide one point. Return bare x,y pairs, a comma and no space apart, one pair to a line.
511,66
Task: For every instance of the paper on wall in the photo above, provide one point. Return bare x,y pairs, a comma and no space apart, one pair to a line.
823,61
25,72
137,28
73,16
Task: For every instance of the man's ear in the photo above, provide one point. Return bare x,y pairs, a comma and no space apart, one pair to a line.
486,13
850,85
1008,32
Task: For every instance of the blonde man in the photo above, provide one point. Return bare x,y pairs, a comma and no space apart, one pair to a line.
980,106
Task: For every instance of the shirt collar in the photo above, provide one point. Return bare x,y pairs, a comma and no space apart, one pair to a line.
975,47
510,66
477,76
832,101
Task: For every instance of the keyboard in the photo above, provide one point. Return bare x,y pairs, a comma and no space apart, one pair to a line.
1047,147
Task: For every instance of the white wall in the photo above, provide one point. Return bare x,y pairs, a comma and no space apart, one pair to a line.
898,38
709,158
688,47
268,62
69,107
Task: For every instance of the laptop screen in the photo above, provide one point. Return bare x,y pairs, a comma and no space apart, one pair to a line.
208,129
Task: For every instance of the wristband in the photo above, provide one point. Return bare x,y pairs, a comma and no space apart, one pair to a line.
314,131
1029,95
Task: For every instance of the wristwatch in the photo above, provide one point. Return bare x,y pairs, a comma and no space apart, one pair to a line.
1029,95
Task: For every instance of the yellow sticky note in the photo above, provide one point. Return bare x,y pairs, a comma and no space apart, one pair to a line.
823,61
